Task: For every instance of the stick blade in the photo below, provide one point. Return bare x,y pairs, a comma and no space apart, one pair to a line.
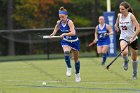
107,67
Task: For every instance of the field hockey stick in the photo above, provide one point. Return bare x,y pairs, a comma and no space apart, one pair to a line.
116,57
48,37
92,44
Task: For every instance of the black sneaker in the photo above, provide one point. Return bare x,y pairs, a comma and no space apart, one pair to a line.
125,66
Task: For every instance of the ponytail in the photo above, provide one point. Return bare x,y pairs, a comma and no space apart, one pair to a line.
131,10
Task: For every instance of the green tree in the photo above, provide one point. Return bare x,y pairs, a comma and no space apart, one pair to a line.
44,13
35,13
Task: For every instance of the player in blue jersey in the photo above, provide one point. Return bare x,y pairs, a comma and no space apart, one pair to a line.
69,42
102,32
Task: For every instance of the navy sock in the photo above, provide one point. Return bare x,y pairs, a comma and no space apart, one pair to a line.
104,57
68,62
77,67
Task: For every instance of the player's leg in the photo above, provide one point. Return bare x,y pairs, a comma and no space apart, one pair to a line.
99,50
104,54
124,54
134,57
67,50
134,62
77,65
102,48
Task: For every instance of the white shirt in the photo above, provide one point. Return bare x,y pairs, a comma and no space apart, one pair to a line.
126,26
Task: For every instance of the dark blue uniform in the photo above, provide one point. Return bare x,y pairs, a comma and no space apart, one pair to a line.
72,41
102,39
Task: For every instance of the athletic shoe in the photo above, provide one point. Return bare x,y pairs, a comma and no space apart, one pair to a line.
103,63
135,76
77,77
125,66
68,73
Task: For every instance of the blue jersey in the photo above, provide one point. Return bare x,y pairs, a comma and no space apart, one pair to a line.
72,41
65,29
102,39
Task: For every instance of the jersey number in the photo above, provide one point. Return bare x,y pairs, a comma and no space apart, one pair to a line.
124,27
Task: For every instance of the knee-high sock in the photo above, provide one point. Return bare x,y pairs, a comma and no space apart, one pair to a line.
104,56
135,66
68,62
77,67
125,58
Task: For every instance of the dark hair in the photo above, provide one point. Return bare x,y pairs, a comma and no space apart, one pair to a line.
62,9
127,6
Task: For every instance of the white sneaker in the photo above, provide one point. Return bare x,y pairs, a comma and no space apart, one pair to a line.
77,77
68,73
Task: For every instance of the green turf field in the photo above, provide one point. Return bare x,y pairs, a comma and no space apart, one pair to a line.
27,77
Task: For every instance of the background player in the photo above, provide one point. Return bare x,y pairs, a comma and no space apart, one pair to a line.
102,32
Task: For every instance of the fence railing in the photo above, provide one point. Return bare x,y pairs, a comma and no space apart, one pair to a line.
30,42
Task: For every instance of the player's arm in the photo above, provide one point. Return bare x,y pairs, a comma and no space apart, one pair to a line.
72,29
136,24
56,28
109,28
96,34
117,23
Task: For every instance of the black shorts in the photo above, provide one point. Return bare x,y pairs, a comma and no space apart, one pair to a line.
134,44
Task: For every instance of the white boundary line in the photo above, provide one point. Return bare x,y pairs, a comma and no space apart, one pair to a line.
59,81
79,86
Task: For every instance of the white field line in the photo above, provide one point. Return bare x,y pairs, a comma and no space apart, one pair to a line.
59,81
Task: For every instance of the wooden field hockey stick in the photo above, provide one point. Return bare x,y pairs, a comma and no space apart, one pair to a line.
116,57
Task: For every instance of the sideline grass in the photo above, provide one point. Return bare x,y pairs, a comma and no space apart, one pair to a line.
27,77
